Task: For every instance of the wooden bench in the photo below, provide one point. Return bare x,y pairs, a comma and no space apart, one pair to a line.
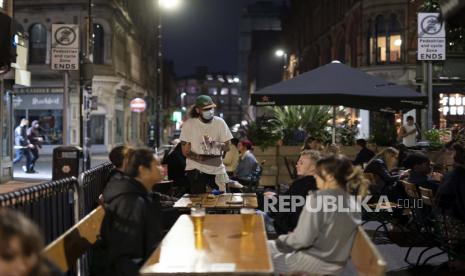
365,256
66,250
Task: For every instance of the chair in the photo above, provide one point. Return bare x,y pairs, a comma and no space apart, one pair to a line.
410,189
66,249
365,256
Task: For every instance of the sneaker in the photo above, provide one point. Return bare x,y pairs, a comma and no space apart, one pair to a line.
24,169
29,171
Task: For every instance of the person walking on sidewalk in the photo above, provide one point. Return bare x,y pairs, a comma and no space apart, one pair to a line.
23,146
204,138
33,134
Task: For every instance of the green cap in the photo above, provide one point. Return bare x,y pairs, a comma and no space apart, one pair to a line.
204,101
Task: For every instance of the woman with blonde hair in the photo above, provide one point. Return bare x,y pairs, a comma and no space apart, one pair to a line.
322,241
381,166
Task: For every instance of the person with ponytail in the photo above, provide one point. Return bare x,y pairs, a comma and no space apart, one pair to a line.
131,228
322,241
451,193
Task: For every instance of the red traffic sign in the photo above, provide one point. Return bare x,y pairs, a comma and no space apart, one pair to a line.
137,105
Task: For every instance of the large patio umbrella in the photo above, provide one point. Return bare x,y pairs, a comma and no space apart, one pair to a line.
337,84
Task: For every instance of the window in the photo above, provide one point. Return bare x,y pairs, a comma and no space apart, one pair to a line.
213,91
98,37
224,91
384,42
395,40
341,51
38,44
381,40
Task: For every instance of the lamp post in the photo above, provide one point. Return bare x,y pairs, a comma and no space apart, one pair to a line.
283,54
156,100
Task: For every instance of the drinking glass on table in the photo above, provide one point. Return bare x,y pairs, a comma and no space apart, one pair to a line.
198,216
248,220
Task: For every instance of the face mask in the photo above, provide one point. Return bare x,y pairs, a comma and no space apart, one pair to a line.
208,114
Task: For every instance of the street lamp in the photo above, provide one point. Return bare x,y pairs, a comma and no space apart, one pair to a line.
169,4
156,104
183,94
283,54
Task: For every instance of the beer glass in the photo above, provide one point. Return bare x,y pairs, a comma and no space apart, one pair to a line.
198,216
248,220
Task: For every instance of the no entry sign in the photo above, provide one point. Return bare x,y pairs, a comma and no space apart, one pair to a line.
137,105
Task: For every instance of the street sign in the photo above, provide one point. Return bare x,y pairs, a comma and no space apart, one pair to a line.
137,105
431,37
65,47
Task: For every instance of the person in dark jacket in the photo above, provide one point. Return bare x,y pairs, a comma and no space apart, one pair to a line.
420,172
364,155
285,222
33,134
176,163
131,228
23,146
451,193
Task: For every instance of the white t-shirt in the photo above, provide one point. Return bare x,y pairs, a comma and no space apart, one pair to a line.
193,131
410,140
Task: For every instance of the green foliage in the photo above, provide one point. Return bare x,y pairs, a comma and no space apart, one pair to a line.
434,137
261,133
294,122
383,130
346,131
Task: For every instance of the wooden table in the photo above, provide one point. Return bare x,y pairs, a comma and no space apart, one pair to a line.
220,249
219,202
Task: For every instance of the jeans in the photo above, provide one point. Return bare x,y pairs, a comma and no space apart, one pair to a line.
34,156
19,153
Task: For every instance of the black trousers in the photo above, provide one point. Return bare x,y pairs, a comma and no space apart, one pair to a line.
198,181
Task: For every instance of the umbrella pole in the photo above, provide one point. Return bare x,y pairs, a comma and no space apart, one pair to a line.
334,125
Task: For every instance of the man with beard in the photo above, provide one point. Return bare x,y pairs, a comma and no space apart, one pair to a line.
204,138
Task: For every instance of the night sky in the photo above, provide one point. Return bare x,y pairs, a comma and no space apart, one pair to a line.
203,32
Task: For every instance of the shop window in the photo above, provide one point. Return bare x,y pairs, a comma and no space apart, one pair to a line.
37,44
119,129
97,123
98,37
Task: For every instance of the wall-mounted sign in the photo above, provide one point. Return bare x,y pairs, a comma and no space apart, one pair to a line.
65,47
38,101
138,105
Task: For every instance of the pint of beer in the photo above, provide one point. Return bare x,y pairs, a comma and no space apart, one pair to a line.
198,216
248,220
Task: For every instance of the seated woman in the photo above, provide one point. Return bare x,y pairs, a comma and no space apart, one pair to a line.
131,228
322,241
21,247
381,166
247,162
285,222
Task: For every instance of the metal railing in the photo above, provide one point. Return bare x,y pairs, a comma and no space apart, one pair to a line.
57,205
91,185
51,205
